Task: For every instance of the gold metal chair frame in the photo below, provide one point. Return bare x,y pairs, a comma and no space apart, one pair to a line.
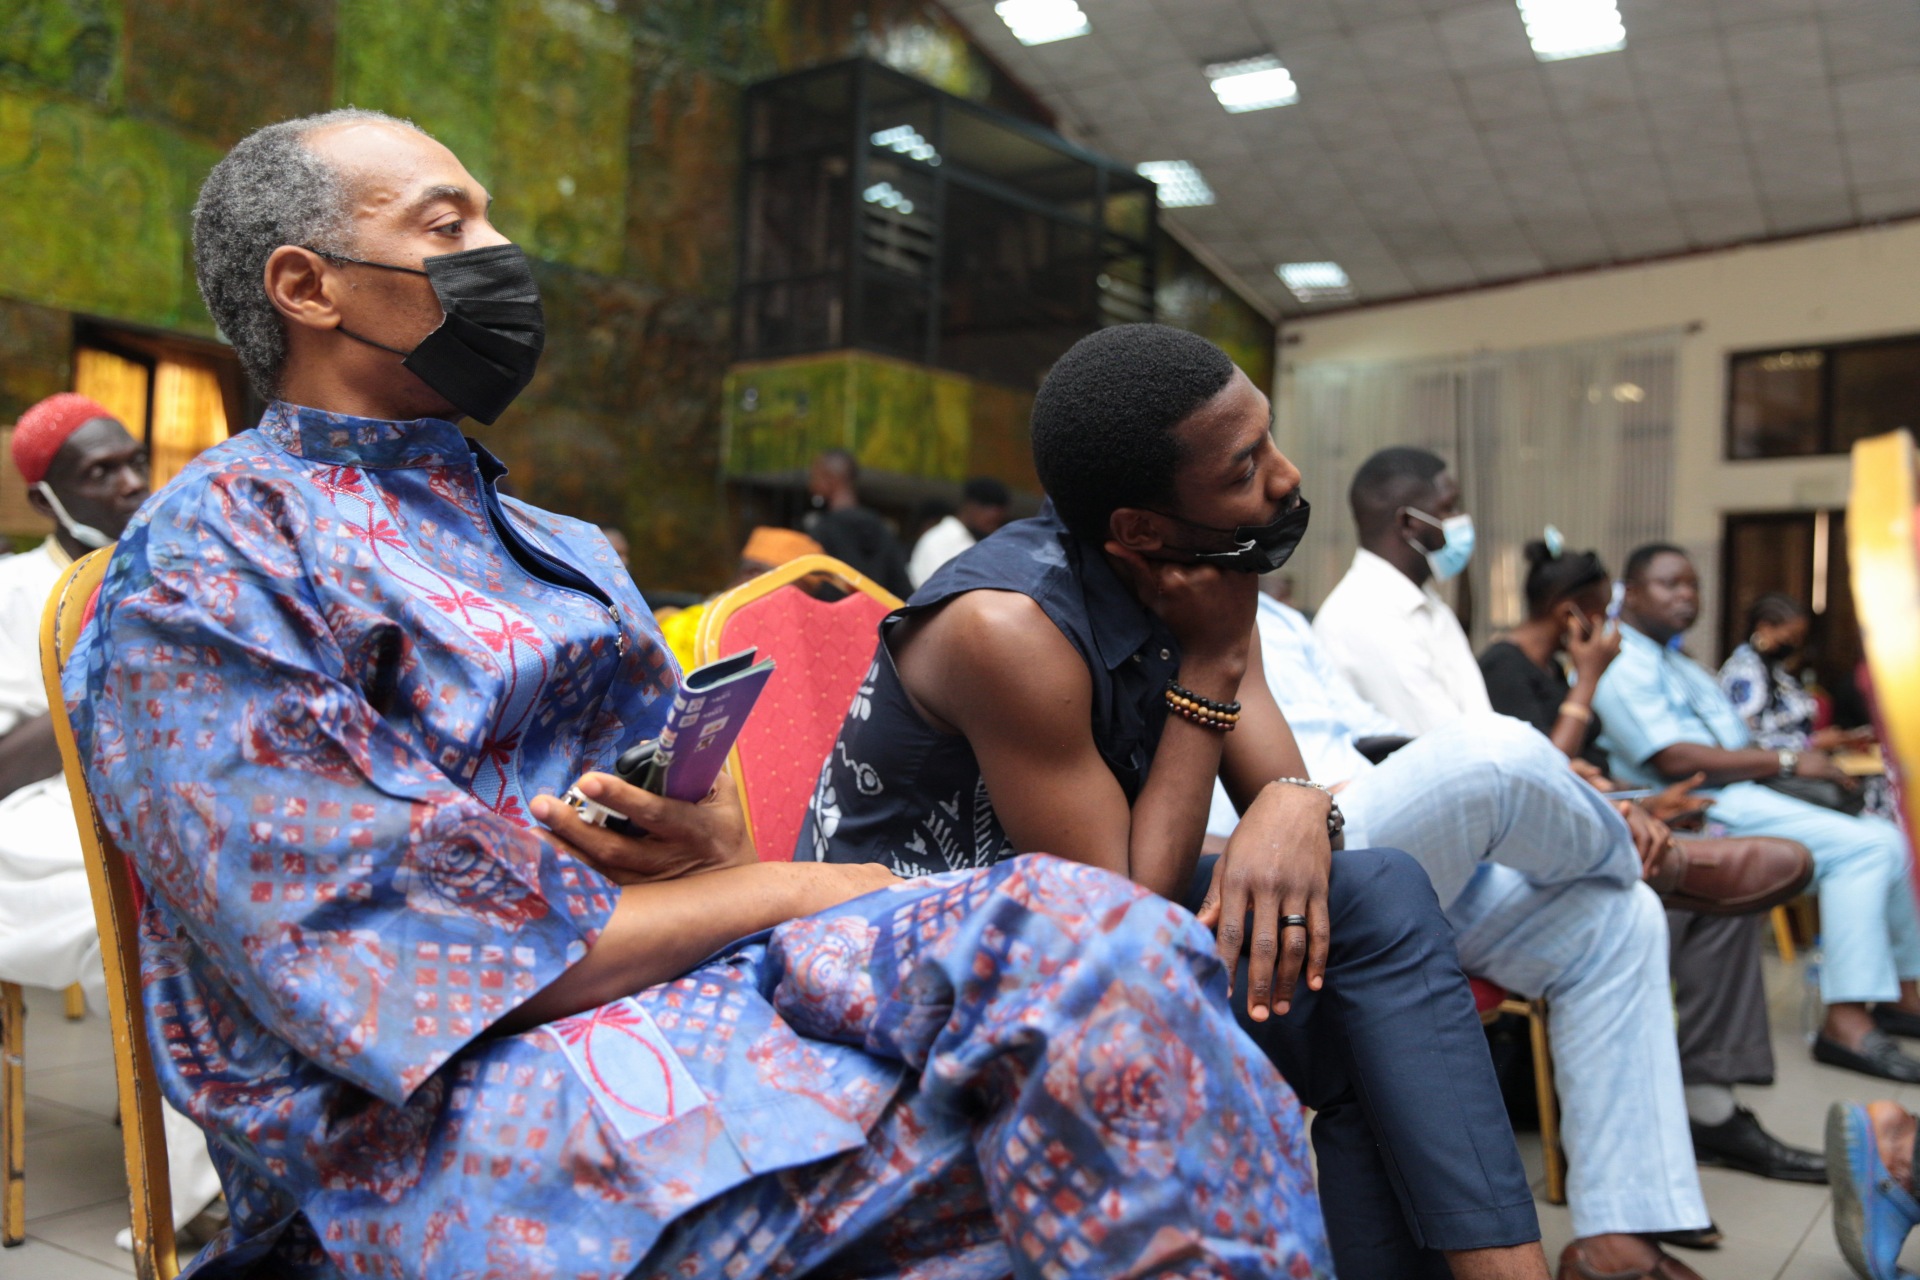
1882,512
143,1139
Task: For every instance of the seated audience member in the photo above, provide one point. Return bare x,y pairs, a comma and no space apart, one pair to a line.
1758,679
1719,993
1068,685
849,532
767,548
983,508
1870,1149
334,674
1663,717
1383,622
617,539
88,476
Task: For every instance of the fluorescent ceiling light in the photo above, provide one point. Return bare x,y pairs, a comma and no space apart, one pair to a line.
887,197
904,139
1042,21
1252,84
1181,186
1572,28
1315,281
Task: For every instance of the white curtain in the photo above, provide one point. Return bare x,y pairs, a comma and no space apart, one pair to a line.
1577,436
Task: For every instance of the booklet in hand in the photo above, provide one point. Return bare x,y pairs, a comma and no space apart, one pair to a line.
712,703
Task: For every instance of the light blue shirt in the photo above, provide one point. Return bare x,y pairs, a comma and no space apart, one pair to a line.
1320,704
1652,698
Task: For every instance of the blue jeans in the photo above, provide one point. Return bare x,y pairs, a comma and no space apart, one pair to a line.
1415,1151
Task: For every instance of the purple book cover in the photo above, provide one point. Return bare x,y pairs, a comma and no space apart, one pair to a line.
711,705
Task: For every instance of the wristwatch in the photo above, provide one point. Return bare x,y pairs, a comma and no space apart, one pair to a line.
1789,761
1336,820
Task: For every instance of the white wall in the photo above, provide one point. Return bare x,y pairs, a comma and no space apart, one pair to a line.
1856,284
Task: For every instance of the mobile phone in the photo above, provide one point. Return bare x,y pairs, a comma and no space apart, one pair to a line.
632,766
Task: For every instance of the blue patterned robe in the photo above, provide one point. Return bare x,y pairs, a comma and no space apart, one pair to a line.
317,696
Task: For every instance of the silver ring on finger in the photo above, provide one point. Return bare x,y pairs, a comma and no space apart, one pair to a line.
1292,922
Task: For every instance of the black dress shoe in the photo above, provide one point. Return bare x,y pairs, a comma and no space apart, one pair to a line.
1740,1143
1876,1056
1895,1021
1707,1237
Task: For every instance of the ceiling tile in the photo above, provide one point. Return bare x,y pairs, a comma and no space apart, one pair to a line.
1873,39
1283,24
1485,37
1763,58
1324,63
1874,103
1690,67
1899,200
1722,222
1797,115
1519,94
1401,48
1508,260
1658,19
1603,82
1645,235
1603,136
1437,271
1526,146
1628,188
1789,213
1734,14
1358,15
1883,158
1211,32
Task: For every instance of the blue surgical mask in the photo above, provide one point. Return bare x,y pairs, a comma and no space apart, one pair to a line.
1454,553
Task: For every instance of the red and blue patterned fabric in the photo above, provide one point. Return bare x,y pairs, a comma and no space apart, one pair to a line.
322,685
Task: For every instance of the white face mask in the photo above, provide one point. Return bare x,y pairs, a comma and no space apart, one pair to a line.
1454,552
84,534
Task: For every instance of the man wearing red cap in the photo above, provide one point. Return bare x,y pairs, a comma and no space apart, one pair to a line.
87,475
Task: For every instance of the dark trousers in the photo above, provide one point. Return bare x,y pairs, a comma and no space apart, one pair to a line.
1415,1151
1720,1001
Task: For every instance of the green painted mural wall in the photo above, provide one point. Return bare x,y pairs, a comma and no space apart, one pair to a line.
607,130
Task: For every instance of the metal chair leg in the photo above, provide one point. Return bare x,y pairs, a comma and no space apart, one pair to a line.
13,1116
76,1003
1782,932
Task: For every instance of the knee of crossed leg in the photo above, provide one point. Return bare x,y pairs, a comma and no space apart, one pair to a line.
1382,896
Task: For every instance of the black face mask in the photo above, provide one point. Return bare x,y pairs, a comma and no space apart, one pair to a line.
1257,548
485,351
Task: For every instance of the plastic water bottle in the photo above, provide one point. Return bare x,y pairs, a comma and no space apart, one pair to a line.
1813,1010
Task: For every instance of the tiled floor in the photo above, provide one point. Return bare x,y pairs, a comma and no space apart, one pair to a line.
77,1198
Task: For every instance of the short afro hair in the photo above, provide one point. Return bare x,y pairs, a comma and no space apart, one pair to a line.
1641,557
1389,480
1103,420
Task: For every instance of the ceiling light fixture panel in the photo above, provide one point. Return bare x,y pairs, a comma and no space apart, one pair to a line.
1180,184
1252,84
1315,281
1560,29
1042,21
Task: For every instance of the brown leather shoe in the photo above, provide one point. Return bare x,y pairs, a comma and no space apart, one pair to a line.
1574,1266
1732,877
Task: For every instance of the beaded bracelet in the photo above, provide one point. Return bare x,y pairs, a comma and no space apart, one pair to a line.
1205,712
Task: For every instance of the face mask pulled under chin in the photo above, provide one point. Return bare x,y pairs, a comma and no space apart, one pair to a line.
1258,548
486,348
1455,552
84,534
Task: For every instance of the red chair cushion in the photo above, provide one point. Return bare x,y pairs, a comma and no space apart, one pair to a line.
822,651
1487,996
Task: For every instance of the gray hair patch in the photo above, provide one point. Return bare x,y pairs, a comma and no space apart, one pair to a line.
270,190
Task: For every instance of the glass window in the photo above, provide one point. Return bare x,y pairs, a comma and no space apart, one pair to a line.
1775,408
1876,389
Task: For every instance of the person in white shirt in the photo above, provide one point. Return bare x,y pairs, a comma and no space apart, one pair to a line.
88,476
1384,625
984,505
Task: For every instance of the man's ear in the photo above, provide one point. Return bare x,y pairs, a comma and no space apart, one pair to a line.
38,501
301,288
1137,530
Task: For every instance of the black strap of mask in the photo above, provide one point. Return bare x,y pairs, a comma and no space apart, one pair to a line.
367,262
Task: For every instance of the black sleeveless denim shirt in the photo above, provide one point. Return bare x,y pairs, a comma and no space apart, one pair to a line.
897,791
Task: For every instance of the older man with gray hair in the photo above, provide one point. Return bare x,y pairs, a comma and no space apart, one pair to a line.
435,1023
